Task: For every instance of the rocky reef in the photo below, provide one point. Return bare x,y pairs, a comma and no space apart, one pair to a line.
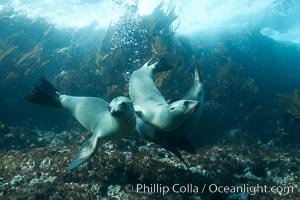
135,169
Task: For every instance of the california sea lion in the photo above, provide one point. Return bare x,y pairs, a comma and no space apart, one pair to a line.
149,103
177,139
105,120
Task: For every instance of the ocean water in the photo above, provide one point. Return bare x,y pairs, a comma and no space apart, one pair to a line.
248,55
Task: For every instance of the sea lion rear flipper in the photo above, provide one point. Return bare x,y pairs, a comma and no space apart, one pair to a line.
197,76
86,151
161,66
44,93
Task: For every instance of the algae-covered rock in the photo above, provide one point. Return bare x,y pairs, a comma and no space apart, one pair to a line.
129,170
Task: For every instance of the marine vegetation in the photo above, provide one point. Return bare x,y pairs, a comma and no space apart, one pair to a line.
40,173
232,85
6,49
290,102
134,39
159,26
34,54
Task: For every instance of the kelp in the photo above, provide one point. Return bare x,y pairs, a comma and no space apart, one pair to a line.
34,54
160,30
6,52
231,85
159,48
135,39
159,79
227,78
101,58
249,89
6,48
160,21
102,64
111,90
290,102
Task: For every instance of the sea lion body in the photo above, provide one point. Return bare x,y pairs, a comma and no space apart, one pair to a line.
93,114
149,103
177,139
105,120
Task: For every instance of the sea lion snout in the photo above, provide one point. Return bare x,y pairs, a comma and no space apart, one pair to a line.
116,113
196,105
192,106
120,106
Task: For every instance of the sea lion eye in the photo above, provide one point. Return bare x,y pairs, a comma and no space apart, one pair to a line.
185,103
172,108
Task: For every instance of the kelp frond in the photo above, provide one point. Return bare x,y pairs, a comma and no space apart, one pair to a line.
6,49
290,102
160,21
6,52
33,54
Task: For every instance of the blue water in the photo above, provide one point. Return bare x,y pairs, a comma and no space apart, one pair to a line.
247,53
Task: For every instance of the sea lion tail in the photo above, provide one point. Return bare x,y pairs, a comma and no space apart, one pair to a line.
161,65
197,76
44,93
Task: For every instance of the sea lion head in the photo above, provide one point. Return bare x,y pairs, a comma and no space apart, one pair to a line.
181,110
121,106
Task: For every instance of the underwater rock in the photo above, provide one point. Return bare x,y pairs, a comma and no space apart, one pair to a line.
16,138
119,168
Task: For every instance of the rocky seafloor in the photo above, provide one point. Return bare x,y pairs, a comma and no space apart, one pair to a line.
135,169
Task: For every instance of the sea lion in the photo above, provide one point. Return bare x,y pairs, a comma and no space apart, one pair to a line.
163,138
177,139
195,93
149,103
105,120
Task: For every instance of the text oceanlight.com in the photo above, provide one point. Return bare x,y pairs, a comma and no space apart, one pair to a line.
211,188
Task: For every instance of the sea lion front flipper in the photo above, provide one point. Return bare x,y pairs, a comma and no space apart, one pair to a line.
86,151
170,147
185,145
138,111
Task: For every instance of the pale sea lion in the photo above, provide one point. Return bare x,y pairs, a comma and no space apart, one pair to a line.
105,120
177,139
149,103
